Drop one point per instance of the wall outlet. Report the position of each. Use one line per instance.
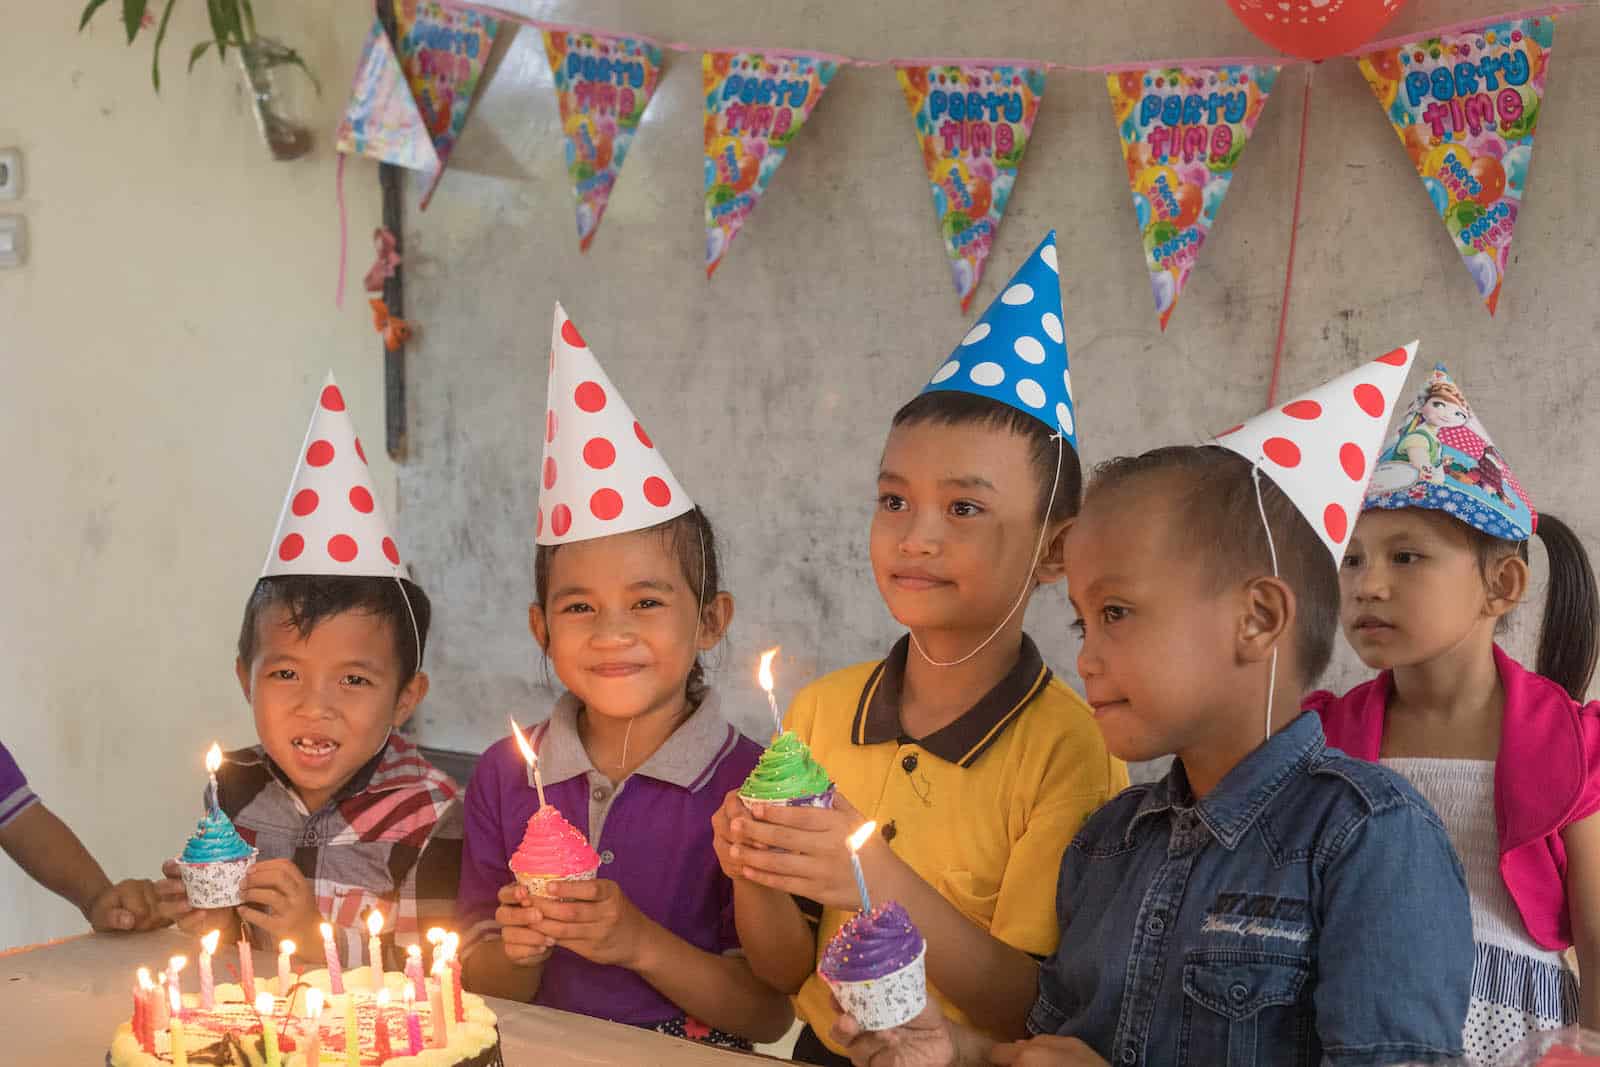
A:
(10, 173)
(13, 240)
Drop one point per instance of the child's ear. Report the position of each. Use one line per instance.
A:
(242, 670)
(1505, 584)
(411, 695)
(1053, 557)
(537, 626)
(714, 621)
(1267, 619)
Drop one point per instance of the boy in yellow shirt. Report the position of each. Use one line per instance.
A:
(977, 764)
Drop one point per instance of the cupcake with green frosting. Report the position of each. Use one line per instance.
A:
(787, 776)
(214, 862)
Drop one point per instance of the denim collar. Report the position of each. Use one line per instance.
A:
(1231, 809)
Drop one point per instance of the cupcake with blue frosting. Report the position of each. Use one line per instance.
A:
(214, 862)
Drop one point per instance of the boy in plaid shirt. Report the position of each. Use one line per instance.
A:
(347, 815)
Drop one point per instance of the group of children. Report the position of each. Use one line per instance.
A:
(1391, 879)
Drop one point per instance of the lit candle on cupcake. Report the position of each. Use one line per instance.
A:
(875, 964)
(786, 775)
(215, 859)
(552, 852)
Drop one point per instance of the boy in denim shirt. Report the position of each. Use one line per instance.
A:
(1266, 902)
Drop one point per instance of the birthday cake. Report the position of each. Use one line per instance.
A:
(230, 1032)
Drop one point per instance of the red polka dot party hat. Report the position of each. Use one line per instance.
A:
(331, 522)
(601, 473)
(1320, 448)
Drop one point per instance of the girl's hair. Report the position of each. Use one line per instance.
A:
(693, 544)
(948, 407)
(1219, 527)
(1568, 638)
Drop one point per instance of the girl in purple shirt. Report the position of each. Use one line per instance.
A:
(636, 754)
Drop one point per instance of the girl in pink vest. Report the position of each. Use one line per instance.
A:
(1509, 758)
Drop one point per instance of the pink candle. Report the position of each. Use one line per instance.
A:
(413, 1024)
(313, 1029)
(331, 951)
(414, 972)
(436, 1004)
(451, 943)
(159, 1016)
(375, 947)
(382, 1031)
(247, 972)
(208, 946)
(141, 1003)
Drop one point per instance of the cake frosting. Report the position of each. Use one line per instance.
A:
(786, 772)
(553, 848)
(872, 944)
(215, 839)
(230, 1032)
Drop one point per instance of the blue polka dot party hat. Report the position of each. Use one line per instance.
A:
(1017, 352)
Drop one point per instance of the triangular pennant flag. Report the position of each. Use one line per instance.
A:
(601, 473)
(1320, 448)
(755, 105)
(381, 120)
(973, 123)
(603, 84)
(331, 521)
(1017, 352)
(1183, 130)
(442, 50)
(1441, 457)
(1465, 105)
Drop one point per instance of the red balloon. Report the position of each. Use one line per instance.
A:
(1491, 179)
(1315, 29)
(1190, 201)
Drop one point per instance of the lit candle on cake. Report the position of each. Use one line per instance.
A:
(208, 947)
(285, 968)
(141, 1010)
(331, 951)
(313, 1027)
(764, 676)
(180, 1049)
(437, 1039)
(352, 1033)
(213, 763)
(269, 1029)
(175, 968)
(375, 947)
(160, 1013)
(452, 941)
(381, 1033)
(247, 968)
(858, 839)
(441, 974)
(413, 1023)
(414, 973)
(436, 940)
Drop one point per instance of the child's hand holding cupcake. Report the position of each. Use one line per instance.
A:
(803, 851)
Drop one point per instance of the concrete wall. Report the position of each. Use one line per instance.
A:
(159, 353)
(769, 388)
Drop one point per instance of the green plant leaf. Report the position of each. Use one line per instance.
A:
(88, 13)
(132, 16)
(155, 55)
(219, 27)
(197, 51)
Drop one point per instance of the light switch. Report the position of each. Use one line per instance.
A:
(13, 240)
(10, 173)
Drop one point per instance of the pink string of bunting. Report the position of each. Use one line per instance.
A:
(1038, 64)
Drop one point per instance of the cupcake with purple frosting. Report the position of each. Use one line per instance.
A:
(875, 967)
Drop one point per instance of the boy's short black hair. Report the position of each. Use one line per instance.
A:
(310, 598)
(947, 407)
(1218, 522)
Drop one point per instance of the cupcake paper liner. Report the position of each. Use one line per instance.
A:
(549, 886)
(216, 884)
(887, 1002)
(818, 800)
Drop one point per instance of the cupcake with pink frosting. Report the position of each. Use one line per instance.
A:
(552, 852)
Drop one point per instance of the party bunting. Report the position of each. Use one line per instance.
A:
(1466, 104)
(1183, 130)
(755, 105)
(381, 120)
(603, 84)
(442, 51)
(973, 123)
